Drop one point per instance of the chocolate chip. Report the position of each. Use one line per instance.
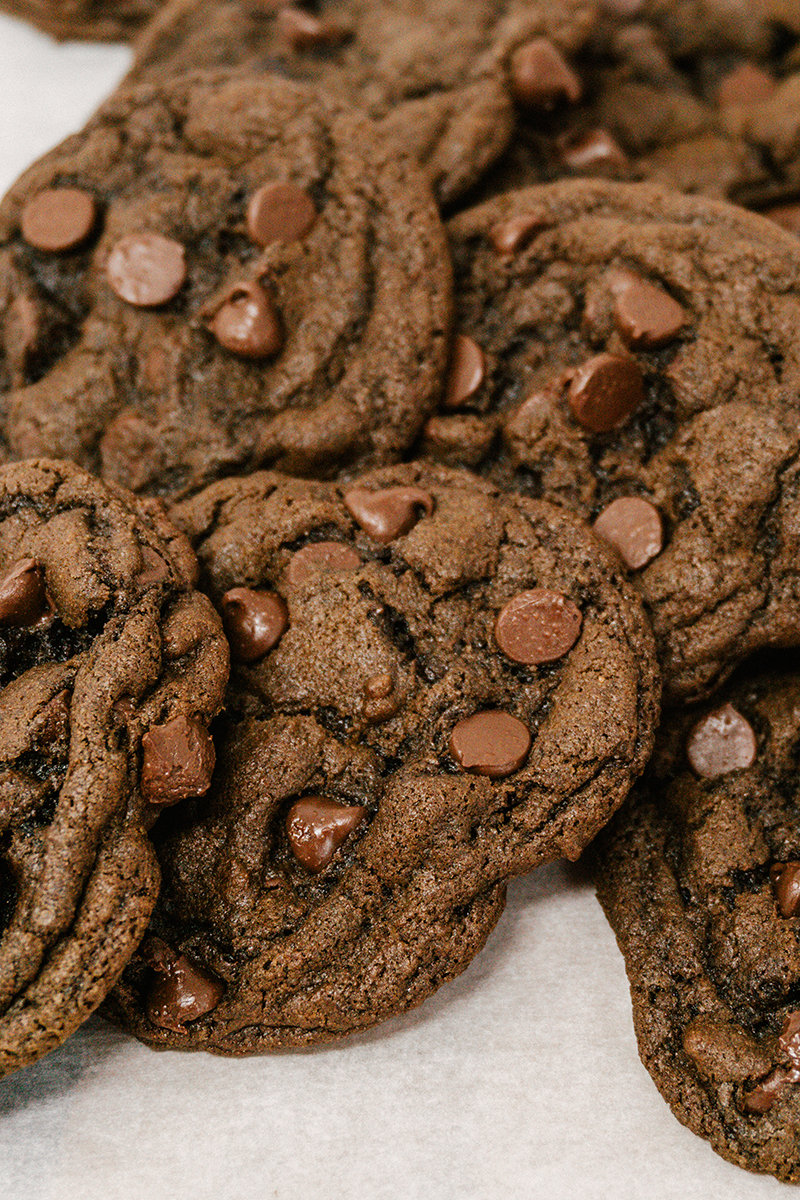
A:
(645, 315)
(379, 686)
(723, 741)
(177, 761)
(316, 828)
(490, 743)
(789, 1040)
(280, 212)
(633, 527)
(246, 323)
(541, 77)
(786, 883)
(594, 152)
(762, 1097)
(254, 622)
(604, 391)
(389, 513)
(537, 626)
(321, 558)
(58, 219)
(466, 373)
(746, 84)
(184, 992)
(380, 701)
(146, 269)
(23, 598)
(508, 237)
(306, 32)
(153, 569)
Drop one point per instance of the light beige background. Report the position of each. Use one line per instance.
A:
(520, 1080)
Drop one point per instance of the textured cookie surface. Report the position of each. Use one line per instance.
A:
(700, 880)
(631, 343)
(95, 20)
(435, 687)
(217, 274)
(111, 668)
(440, 77)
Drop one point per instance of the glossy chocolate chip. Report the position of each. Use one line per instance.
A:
(247, 323)
(23, 598)
(183, 992)
(541, 77)
(280, 212)
(761, 1098)
(389, 513)
(321, 558)
(303, 31)
(58, 219)
(746, 84)
(490, 743)
(146, 269)
(508, 237)
(645, 315)
(633, 527)
(786, 884)
(177, 761)
(594, 152)
(723, 741)
(317, 827)
(789, 1040)
(604, 391)
(254, 622)
(466, 373)
(537, 626)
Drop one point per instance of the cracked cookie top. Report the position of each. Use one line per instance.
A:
(111, 667)
(621, 343)
(217, 274)
(435, 686)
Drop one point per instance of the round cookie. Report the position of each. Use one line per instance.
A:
(93, 20)
(435, 686)
(218, 273)
(698, 876)
(637, 344)
(111, 668)
(441, 78)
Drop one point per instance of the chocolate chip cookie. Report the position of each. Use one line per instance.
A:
(700, 880)
(93, 20)
(434, 686)
(111, 667)
(219, 273)
(442, 78)
(621, 345)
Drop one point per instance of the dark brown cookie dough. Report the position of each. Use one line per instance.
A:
(435, 686)
(215, 274)
(698, 875)
(111, 667)
(639, 344)
(93, 20)
(442, 78)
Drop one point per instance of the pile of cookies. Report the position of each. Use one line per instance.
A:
(401, 477)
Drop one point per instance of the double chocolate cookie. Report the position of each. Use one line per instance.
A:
(219, 273)
(632, 354)
(111, 667)
(443, 78)
(94, 20)
(700, 880)
(435, 686)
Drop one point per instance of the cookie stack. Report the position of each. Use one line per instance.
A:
(353, 562)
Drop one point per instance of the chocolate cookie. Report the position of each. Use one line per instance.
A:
(94, 20)
(111, 668)
(442, 78)
(700, 880)
(215, 274)
(623, 345)
(435, 686)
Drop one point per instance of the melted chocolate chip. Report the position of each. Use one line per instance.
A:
(490, 743)
(541, 77)
(254, 622)
(723, 741)
(303, 31)
(604, 391)
(594, 152)
(58, 219)
(321, 558)
(633, 527)
(146, 269)
(645, 315)
(23, 598)
(467, 371)
(247, 323)
(389, 513)
(280, 212)
(317, 827)
(177, 761)
(153, 569)
(510, 236)
(786, 884)
(762, 1097)
(537, 626)
(184, 991)
(789, 1040)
